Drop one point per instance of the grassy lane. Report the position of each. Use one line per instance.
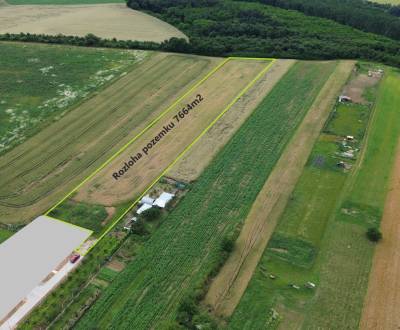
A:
(182, 252)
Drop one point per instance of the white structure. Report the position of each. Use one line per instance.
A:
(163, 200)
(32, 258)
(143, 208)
(147, 200)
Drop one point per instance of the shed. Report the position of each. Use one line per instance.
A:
(163, 200)
(344, 98)
(143, 208)
(147, 200)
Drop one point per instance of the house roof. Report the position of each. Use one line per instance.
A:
(147, 200)
(163, 199)
(143, 208)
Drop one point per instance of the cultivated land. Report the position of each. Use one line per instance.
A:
(321, 235)
(191, 165)
(382, 301)
(181, 253)
(210, 98)
(39, 172)
(227, 288)
(104, 20)
(41, 83)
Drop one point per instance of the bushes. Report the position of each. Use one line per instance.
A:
(374, 234)
(152, 214)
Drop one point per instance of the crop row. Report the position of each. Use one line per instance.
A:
(179, 256)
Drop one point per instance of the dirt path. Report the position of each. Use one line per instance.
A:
(228, 287)
(194, 162)
(381, 307)
(104, 20)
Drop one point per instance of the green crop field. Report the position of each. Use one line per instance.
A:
(181, 253)
(321, 235)
(41, 83)
(40, 171)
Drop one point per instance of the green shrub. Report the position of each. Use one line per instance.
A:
(374, 234)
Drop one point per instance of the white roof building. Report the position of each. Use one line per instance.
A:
(27, 258)
(147, 200)
(163, 200)
(143, 208)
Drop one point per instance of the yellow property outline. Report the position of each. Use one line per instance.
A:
(152, 123)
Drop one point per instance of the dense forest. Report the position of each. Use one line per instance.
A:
(363, 15)
(227, 27)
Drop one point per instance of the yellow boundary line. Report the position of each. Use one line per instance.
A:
(130, 207)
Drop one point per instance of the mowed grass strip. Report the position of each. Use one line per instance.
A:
(43, 169)
(179, 256)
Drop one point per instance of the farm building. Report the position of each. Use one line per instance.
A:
(33, 262)
(147, 200)
(143, 208)
(163, 200)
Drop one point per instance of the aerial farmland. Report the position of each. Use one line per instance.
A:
(205, 165)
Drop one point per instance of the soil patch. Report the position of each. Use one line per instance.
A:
(116, 265)
(357, 86)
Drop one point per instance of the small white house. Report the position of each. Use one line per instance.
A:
(147, 200)
(163, 200)
(143, 208)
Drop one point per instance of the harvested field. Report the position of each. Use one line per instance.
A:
(227, 288)
(104, 20)
(196, 159)
(213, 96)
(40, 171)
(179, 256)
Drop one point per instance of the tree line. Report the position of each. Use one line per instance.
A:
(363, 15)
(245, 28)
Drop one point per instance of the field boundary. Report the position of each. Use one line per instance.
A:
(151, 124)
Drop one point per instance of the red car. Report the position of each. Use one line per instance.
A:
(74, 258)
